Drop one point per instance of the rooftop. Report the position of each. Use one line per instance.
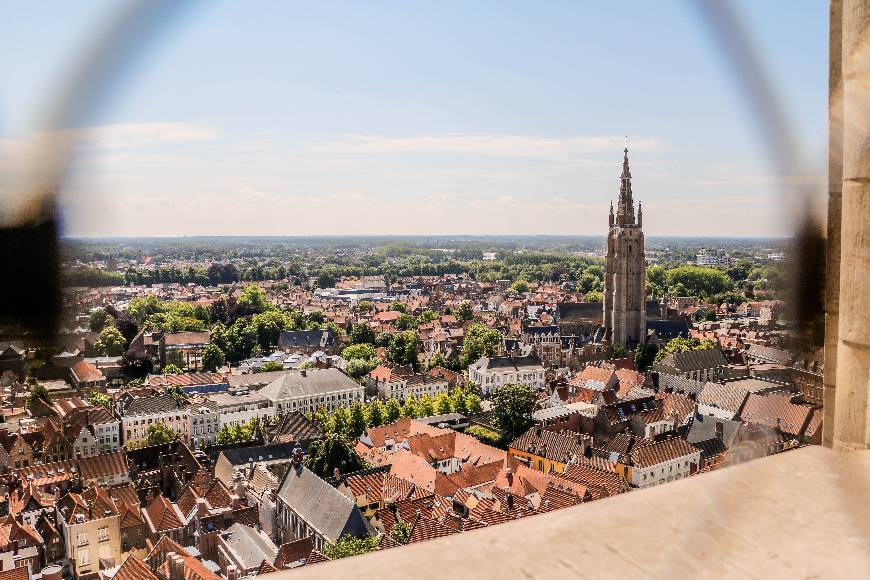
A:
(716, 521)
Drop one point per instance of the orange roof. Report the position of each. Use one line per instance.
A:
(162, 515)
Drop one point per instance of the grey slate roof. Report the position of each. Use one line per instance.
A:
(289, 340)
(771, 354)
(323, 507)
(704, 428)
(668, 329)
(254, 380)
(163, 403)
(680, 384)
(309, 383)
(509, 363)
(695, 360)
(249, 545)
(728, 396)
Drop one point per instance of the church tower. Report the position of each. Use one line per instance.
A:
(625, 269)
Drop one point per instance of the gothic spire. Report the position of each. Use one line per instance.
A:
(625, 207)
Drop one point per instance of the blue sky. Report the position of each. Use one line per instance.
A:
(292, 118)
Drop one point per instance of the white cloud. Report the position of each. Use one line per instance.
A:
(562, 149)
(122, 136)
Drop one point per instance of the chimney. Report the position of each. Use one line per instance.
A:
(235, 501)
(336, 473)
(232, 572)
(510, 501)
(720, 431)
(297, 456)
(175, 563)
(304, 372)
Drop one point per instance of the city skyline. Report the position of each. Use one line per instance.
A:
(489, 121)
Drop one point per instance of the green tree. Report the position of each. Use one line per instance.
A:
(38, 392)
(362, 333)
(347, 546)
(136, 366)
(269, 325)
(98, 399)
(683, 345)
(158, 434)
(464, 311)
(358, 419)
(410, 408)
(443, 404)
(426, 406)
(480, 340)
(645, 355)
(473, 404)
(458, 402)
(98, 319)
(225, 435)
(172, 369)
(401, 532)
(427, 316)
(111, 342)
(436, 361)
(341, 422)
(270, 366)
(360, 367)
(212, 358)
(376, 413)
(361, 351)
(521, 286)
(365, 306)
(398, 307)
(393, 411)
(331, 452)
(594, 296)
(406, 322)
(698, 281)
(512, 408)
(253, 298)
(484, 435)
(618, 351)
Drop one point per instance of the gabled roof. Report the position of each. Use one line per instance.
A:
(660, 452)
(252, 547)
(85, 372)
(561, 447)
(776, 411)
(321, 338)
(193, 568)
(322, 506)
(695, 360)
(103, 465)
(307, 383)
(134, 569)
(162, 515)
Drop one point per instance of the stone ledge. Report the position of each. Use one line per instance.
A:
(799, 514)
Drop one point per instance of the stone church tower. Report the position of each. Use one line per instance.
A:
(625, 269)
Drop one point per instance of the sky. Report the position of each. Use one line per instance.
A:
(489, 117)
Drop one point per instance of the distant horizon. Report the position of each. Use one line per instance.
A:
(407, 236)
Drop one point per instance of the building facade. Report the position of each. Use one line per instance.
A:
(625, 269)
(492, 372)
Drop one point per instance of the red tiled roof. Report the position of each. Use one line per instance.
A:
(85, 372)
(162, 515)
(134, 569)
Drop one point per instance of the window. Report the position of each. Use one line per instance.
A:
(81, 539)
(84, 558)
(104, 534)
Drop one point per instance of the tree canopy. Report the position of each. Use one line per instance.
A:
(158, 434)
(512, 408)
(480, 340)
(333, 451)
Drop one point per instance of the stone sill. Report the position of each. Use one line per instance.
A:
(800, 514)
